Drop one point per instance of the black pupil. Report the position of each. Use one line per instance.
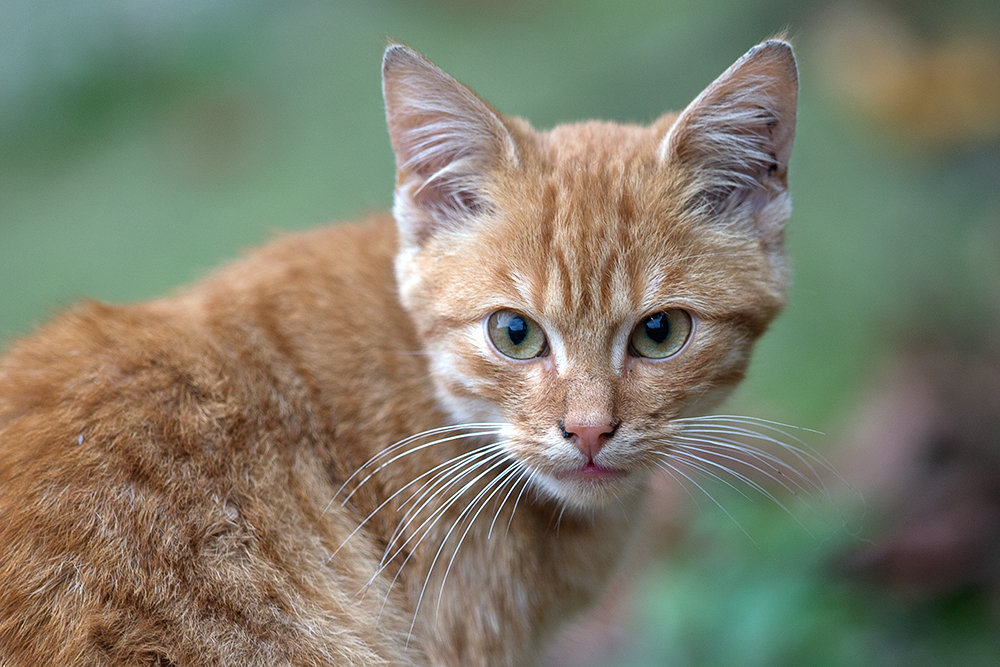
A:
(517, 330)
(658, 328)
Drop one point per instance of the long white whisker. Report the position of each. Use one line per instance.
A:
(447, 478)
(745, 419)
(500, 481)
(447, 535)
(424, 529)
(527, 483)
(756, 458)
(746, 480)
(418, 448)
(724, 422)
(709, 495)
(775, 463)
(524, 472)
(477, 451)
(803, 453)
(743, 478)
(446, 468)
(464, 469)
(670, 471)
(466, 464)
(405, 441)
(693, 461)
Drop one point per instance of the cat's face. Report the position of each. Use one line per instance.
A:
(586, 286)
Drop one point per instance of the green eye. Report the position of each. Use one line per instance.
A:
(662, 334)
(515, 335)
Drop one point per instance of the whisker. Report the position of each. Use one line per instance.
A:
(446, 468)
(745, 429)
(500, 482)
(424, 532)
(414, 512)
(723, 423)
(746, 419)
(418, 448)
(670, 471)
(467, 461)
(525, 471)
(693, 461)
(709, 495)
(527, 483)
(738, 475)
(473, 453)
(420, 497)
(424, 529)
(444, 541)
(775, 465)
(416, 436)
(803, 453)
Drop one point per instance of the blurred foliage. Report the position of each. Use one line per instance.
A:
(141, 143)
(780, 601)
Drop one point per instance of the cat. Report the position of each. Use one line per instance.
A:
(417, 440)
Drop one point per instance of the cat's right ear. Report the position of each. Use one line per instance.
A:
(446, 141)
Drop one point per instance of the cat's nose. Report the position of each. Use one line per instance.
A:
(588, 438)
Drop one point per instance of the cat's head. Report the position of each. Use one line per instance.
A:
(588, 285)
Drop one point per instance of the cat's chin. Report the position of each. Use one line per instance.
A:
(590, 486)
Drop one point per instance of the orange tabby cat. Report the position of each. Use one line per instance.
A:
(406, 443)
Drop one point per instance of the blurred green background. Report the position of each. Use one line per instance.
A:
(143, 142)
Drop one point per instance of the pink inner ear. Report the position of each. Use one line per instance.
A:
(736, 136)
(445, 138)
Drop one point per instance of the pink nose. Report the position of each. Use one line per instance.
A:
(588, 438)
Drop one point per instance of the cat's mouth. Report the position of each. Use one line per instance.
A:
(589, 485)
(592, 472)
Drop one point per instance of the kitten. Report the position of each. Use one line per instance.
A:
(413, 442)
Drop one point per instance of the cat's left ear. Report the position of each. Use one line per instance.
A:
(733, 141)
(446, 141)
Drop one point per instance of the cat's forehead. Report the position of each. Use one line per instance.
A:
(593, 232)
(599, 143)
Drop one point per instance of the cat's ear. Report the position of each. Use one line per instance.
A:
(446, 141)
(733, 141)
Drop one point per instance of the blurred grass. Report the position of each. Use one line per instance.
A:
(775, 602)
(166, 151)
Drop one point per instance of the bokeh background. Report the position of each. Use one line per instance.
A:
(143, 142)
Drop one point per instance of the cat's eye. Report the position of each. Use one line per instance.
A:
(662, 334)
(515, 335)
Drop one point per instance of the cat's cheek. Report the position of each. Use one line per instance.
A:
(474, 385)
(694, 381)
(651, 399)
(460, 387)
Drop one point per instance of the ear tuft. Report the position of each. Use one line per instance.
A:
(735, 138)
(446, 141)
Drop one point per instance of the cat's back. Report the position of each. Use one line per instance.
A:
(198, 355)
(164, 467)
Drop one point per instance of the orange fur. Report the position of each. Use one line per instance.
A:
(197, 480)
